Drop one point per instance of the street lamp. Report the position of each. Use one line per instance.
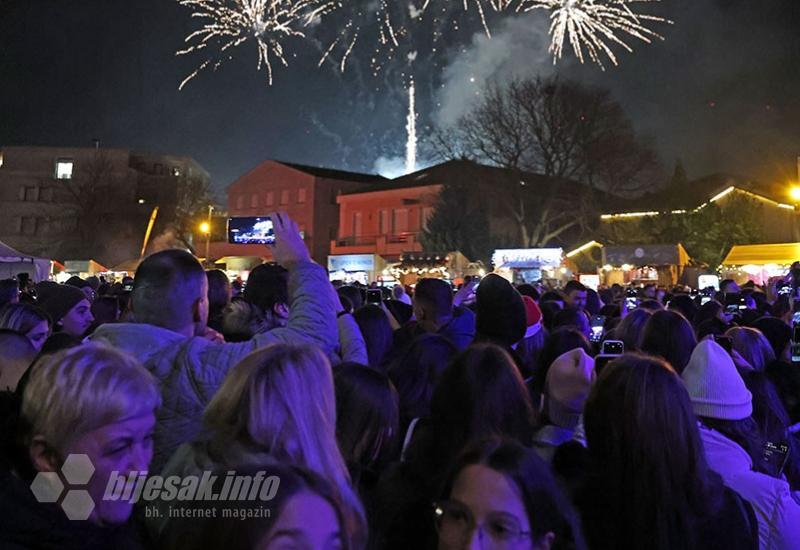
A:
(205, 228)
(794, 193)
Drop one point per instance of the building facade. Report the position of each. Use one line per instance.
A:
(74, 203)
(308, 194)
(387, 221)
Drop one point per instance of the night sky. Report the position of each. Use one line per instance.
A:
(722, 92)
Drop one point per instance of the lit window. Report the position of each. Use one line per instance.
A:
(141, 201)
(176, 171)
(1, 159)
(64, 169)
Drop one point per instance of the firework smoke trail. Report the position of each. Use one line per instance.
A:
(411, 129)
(230, 23)
(592, 24)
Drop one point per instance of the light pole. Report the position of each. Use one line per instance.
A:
(794, 193)
(205, 228)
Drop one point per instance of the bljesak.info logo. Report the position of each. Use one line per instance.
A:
(68, 487)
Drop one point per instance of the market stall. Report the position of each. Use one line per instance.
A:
(238, 266)
(530, 265)
(452, 266)
(81, 268)
(661, 264)
(759, 262)
(356, 268)
(14, 262)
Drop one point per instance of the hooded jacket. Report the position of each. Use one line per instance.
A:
(190, 370)
(777, 512)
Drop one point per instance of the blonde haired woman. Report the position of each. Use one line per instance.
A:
(89, 410)
(276, 406)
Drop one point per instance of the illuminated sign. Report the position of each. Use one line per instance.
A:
(527, 257)
(352, 262)
(592, 281)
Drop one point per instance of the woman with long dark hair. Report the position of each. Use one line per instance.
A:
(501, 491)
(480, 395)
(377, 332)
(669, 335)
(649, 486)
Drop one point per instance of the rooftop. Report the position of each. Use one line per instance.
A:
(330, 173)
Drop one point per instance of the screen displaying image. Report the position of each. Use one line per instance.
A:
(251, 230)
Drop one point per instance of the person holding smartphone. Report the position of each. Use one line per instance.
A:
(171, 338)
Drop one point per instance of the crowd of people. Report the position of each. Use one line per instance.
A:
(486, 416)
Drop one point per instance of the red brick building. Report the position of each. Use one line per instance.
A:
(306, 193)
(386, 221)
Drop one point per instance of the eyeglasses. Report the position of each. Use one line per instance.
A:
(455, 523)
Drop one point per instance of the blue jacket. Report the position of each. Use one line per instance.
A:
(190, 370)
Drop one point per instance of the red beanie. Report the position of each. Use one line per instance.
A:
(533, 316)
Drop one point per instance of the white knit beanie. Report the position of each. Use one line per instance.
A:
(567, 386)
(715, 387)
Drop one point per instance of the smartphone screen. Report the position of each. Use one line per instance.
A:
(374, 296)
(612, 347)
(776, 455)
(598, 322)
(251, 230)
(704, 300)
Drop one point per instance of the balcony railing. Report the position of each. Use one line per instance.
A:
(365, 240)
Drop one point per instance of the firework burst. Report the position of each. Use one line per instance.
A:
(594, 25)
(227, 24)
(481, 5)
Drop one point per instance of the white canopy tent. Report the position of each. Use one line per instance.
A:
(13, 262)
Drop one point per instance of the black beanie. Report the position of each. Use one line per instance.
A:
(57, 300)
(267, 285)
(500, 314)
(77, 282)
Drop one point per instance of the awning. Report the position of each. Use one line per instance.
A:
(240, 263)
(645, 254)
(84, 266)
(763, 254)
(128, 266)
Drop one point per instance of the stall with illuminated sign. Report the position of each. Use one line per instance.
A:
(81, 268)
(239, 267)
(452, 266)
(759, 262)
(530, 265)
(356, 268)
(661, 264)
